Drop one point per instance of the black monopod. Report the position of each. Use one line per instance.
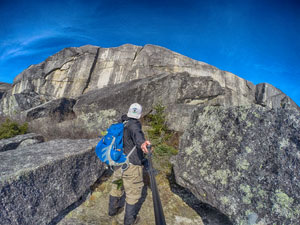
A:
(158, 210)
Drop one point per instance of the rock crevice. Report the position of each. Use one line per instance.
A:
(91, 71)
(20, 141)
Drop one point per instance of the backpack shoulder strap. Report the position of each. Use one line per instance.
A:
(126, 122)
(131, 151)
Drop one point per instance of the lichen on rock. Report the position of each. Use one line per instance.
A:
(246, 159)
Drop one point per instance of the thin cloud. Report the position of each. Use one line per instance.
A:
(40, 43)
(18, 47)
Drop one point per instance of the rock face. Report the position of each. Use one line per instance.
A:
(14, 104)
(64, 74)
(20, 141)
(244, 161)
(74, 71)
(3, 88)
(37, 182)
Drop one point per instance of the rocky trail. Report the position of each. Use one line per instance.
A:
(180, 207)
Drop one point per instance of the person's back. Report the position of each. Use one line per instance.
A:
(132, 177)
(133, 136)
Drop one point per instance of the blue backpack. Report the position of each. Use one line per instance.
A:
(110, 147)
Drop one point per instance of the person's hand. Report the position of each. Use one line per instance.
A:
(144, 146)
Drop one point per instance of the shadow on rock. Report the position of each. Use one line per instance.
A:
(209, 214)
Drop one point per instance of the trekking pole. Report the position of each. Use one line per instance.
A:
(158, 210)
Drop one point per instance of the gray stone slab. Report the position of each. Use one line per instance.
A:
(38, 182)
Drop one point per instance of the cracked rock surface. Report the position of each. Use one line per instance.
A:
(20, 141)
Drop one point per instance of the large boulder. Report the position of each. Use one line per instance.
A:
(38, 182)
(58, 110)
(99, 108)
(244, 161)
(20, 141)
(180, 93)
(270, 96)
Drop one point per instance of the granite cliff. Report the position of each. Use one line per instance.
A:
(240, 147)
(88, 70)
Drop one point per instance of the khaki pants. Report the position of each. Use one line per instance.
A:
(132, 183)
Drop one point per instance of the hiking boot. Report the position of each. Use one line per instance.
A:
(130, 214)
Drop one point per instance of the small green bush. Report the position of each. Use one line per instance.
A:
(11, 128)
(165, 150)
(157, 121)
(162, 139)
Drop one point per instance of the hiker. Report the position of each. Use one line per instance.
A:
(132, 177)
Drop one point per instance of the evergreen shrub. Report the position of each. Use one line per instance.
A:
(11, 128)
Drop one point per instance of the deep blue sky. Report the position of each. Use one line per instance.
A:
(258, 40)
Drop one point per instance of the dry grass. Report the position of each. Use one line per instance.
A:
(71, 129)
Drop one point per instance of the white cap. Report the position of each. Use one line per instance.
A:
(135, 111)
